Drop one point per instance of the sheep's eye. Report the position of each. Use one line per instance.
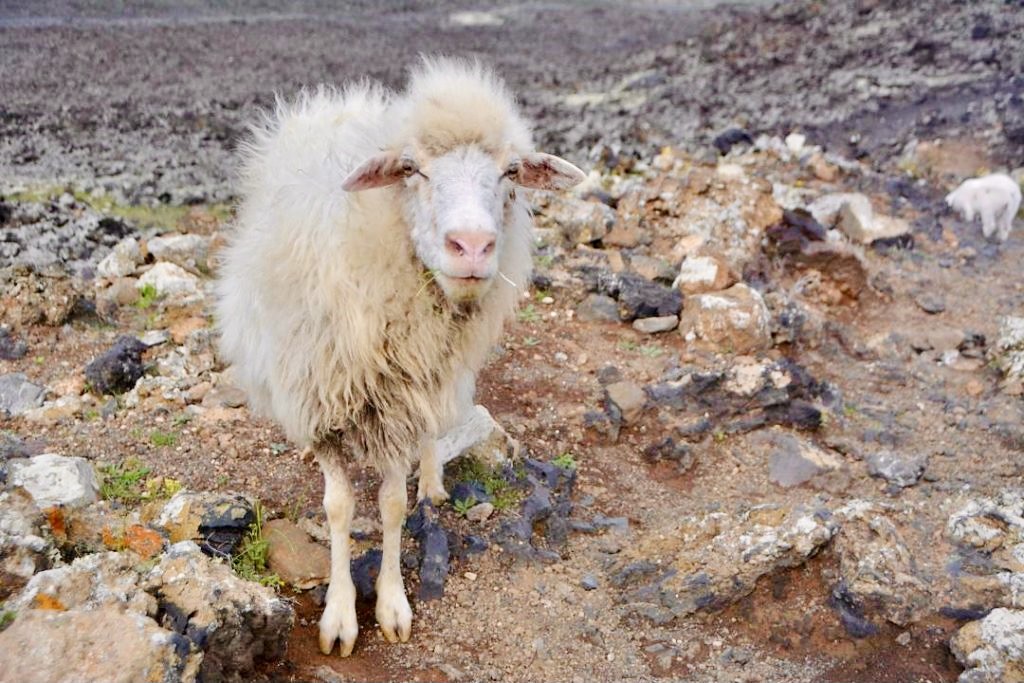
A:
(409, 167)
(512, 172)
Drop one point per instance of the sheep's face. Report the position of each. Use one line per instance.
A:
(457, 203)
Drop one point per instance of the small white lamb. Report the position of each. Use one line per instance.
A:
(379, 247)
(995, 197)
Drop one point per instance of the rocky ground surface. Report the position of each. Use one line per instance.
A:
(759, 416)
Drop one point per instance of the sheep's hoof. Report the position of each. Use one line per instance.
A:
(394, 615)
(435, 492)
(338, 622)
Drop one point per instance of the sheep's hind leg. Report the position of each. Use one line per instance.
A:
(393, 612)
(431, 479)
(338, 621)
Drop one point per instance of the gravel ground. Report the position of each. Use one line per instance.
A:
(148, 102)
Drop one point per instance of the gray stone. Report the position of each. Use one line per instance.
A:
(663, 323)
(480, 513)
(629, 398)
(899, 469)
(53, 479)
(598, 308)
(1009, 347)
(991, 650)
(580, 221)
(106, 645)
(188, 251)
(172, 283)
(122, 260)
(25, 545)
(589, 582)
(18, 394)
(794, 461)
(930, 302)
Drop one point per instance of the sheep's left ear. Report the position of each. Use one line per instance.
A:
(379, 171)
(548, 172)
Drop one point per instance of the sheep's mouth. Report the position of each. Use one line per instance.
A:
(469, 281)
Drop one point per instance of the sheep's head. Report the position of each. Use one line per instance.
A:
(458, 204)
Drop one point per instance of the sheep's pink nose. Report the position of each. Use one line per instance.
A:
(473, 246)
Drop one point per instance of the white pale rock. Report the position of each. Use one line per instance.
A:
(661, 323)
(699, 274)
(53, 479)
(184, 250)
(122, 260)
(795, 142)
(18, 395)
(171, 281)
(479, 436)
(825, 209)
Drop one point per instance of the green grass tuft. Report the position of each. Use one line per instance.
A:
(250, 562)
(505, 495)
(7, 618)
(124, 482)
(147, 297)
(565, 461)
(158, 438)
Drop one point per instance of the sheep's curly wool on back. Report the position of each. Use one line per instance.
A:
(327, 315)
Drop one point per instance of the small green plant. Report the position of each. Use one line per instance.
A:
(540, 295)
(850, 410)
(545, 260)
(530, 341)
(278, 448)
(147, 296)
(528, 314)
(124, 482)
(181, 420)
(250, 562)
(160, 439)
(565, 461)
(628, 345)
(7, 618)
(91, 415)
(464, 505)
(718, 435)
(651, 351)
(503, 493)
(39, 360)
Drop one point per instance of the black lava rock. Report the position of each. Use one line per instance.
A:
(730, 138)
(223, 525)
(365, 570)
(640, 298)
(11, 348)
(119, 368)
(850, 614)
(792, 234)
(435, 553)
(467, 490)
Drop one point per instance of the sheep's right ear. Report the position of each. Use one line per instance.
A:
(379, 171)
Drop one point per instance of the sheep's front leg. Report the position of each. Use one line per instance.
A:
(338, 621)
(393, 612)
(431, 480)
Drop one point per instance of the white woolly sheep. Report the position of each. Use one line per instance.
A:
(995, 197)
(379, 247)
